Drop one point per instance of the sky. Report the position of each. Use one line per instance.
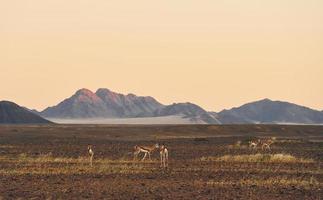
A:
(215, 53)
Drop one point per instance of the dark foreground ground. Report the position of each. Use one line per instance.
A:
(50, 162)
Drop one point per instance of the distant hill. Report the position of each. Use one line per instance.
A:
(11, 113)
(102, 104)
(193, 112)
(268, 111)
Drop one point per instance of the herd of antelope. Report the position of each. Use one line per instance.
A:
(147, 150)
(263, 143)
(163, 151)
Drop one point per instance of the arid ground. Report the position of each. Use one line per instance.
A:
(206, 162)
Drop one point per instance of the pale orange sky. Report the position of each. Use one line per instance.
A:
(215, 53)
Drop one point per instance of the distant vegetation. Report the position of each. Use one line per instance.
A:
(273, 158)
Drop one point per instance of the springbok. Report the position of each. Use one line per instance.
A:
(253, 144)
(91, 154)
(265, 144)
(144, 149)
(163, 156)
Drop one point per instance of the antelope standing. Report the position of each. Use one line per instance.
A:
(265, 144)
(91, 154)
(253, 144)
(144, 149)
(163, 156)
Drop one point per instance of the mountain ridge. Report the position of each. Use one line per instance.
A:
(104, 103)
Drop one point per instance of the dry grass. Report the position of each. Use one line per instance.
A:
(7, 146)
(49, 158)
(258, 170)
(270, 182)
(76, 170)
(49, 165)
(289, 141)
(238, 145)
(272, 158)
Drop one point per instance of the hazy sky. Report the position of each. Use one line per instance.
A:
(215, 53)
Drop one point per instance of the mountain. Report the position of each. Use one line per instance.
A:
(267, 111)
(128, 105)
(32, 110)
(83, 104)
(11, 113)
(102, 104)
(193, 112)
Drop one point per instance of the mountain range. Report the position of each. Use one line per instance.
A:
(85, 104)
(106, 104)
(103, 104)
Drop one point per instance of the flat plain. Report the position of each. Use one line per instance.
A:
(206, 162)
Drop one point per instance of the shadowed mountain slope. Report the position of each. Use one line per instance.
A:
(11, 113)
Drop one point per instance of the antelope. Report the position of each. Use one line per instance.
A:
(266, 144)
(163, 156)
(91, 154)
(253, 144)
(144, 149)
